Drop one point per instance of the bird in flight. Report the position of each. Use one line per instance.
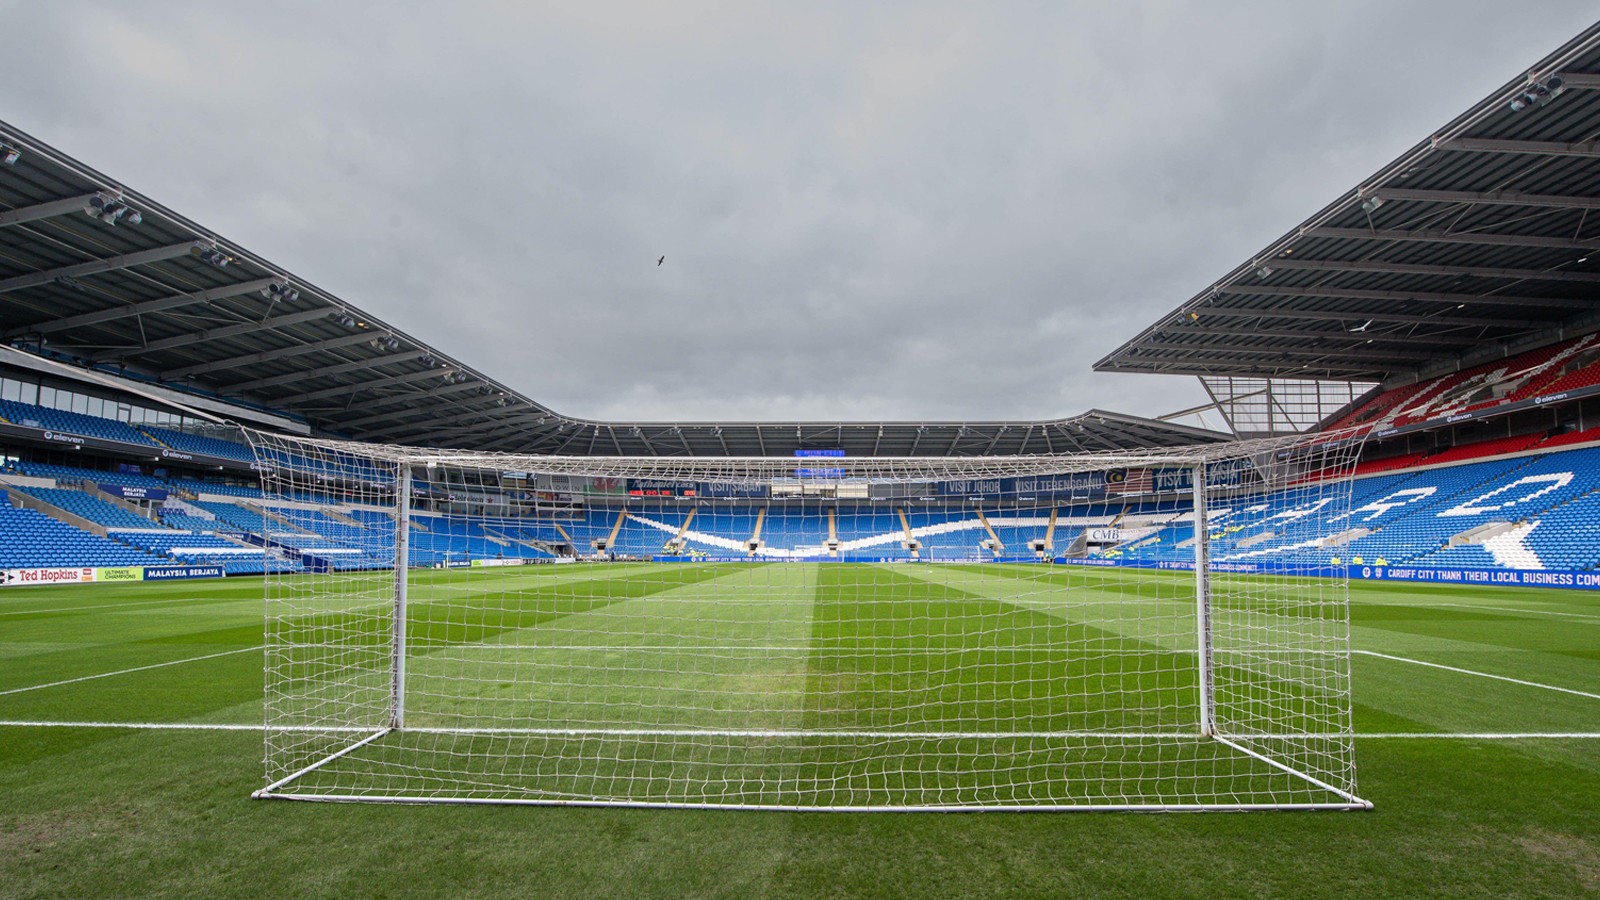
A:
(661, 260)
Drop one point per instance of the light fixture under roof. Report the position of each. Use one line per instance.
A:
(109, 207)
(280, 289)
(9, 154)
(209, 253)
(1539, 93)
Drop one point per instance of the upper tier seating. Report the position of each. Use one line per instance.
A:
(1549, 370)
(193, 443)
(71, 422)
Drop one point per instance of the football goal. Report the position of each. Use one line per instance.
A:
(1143, 630)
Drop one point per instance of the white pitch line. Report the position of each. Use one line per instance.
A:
(1418, 662)
(1487, 735)
(578, 732)
(1531, 612)
(52, 609)
(38, 687)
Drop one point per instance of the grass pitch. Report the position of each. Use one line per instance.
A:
(1482, 787)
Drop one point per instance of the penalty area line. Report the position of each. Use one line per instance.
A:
(38, 687)
(1418, 662)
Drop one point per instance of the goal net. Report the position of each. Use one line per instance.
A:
(1157, 630)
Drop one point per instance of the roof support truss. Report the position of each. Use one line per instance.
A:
(1498, 198)
(1392, 268)
(1395, 318)
(251, 359)
(138, 309)
(95, 266)
(1256, 290)
(1463, 237)
(322, 371)
(47, 210)
(217, 334)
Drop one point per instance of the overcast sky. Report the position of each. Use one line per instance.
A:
(912, 212)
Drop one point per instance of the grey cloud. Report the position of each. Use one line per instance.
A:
(918, 211)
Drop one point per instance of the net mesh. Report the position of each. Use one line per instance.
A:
(946, 633)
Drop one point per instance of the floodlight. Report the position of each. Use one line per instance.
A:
(280, 290)
(209, 253)
(1371, 204)
(108, 207)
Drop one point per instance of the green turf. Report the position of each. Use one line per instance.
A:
(111, 812)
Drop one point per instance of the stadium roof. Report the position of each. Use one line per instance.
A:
(1474, 241)
(164, 301)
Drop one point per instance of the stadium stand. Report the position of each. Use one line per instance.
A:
(71, 423)
(92, 508)
(193, 443)
(1566, 366)
(30, 539)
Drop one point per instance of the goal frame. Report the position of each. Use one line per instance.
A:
(406, 459)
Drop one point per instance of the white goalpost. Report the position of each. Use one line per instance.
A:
(1143, 630)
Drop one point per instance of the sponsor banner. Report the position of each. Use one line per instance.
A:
(1496, 577)
(1105, 535)
(170, 573)
(132, 492)
(134, 573)
(491, 563)
(167, 453)
(60, 437)
(1079, 485)
(827, 453)
(737, 489)
(851, 558)
(660, 487)
(455, 564)
(23, 577)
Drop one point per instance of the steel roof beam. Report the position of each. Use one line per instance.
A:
(1355, 336)
(442, 390)
(1580, 80)
(218, 334)
(1256, 290)
(1537, 148)
(1496, 198)
(1396, 318)
(323, 371)
(46, 210)
(95, 266)
(1391, 268)
(427, 426)
(1270, 352)
(342, 390)
(1443, 237)
(420, 431)
(251, 359)
(138, 309)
